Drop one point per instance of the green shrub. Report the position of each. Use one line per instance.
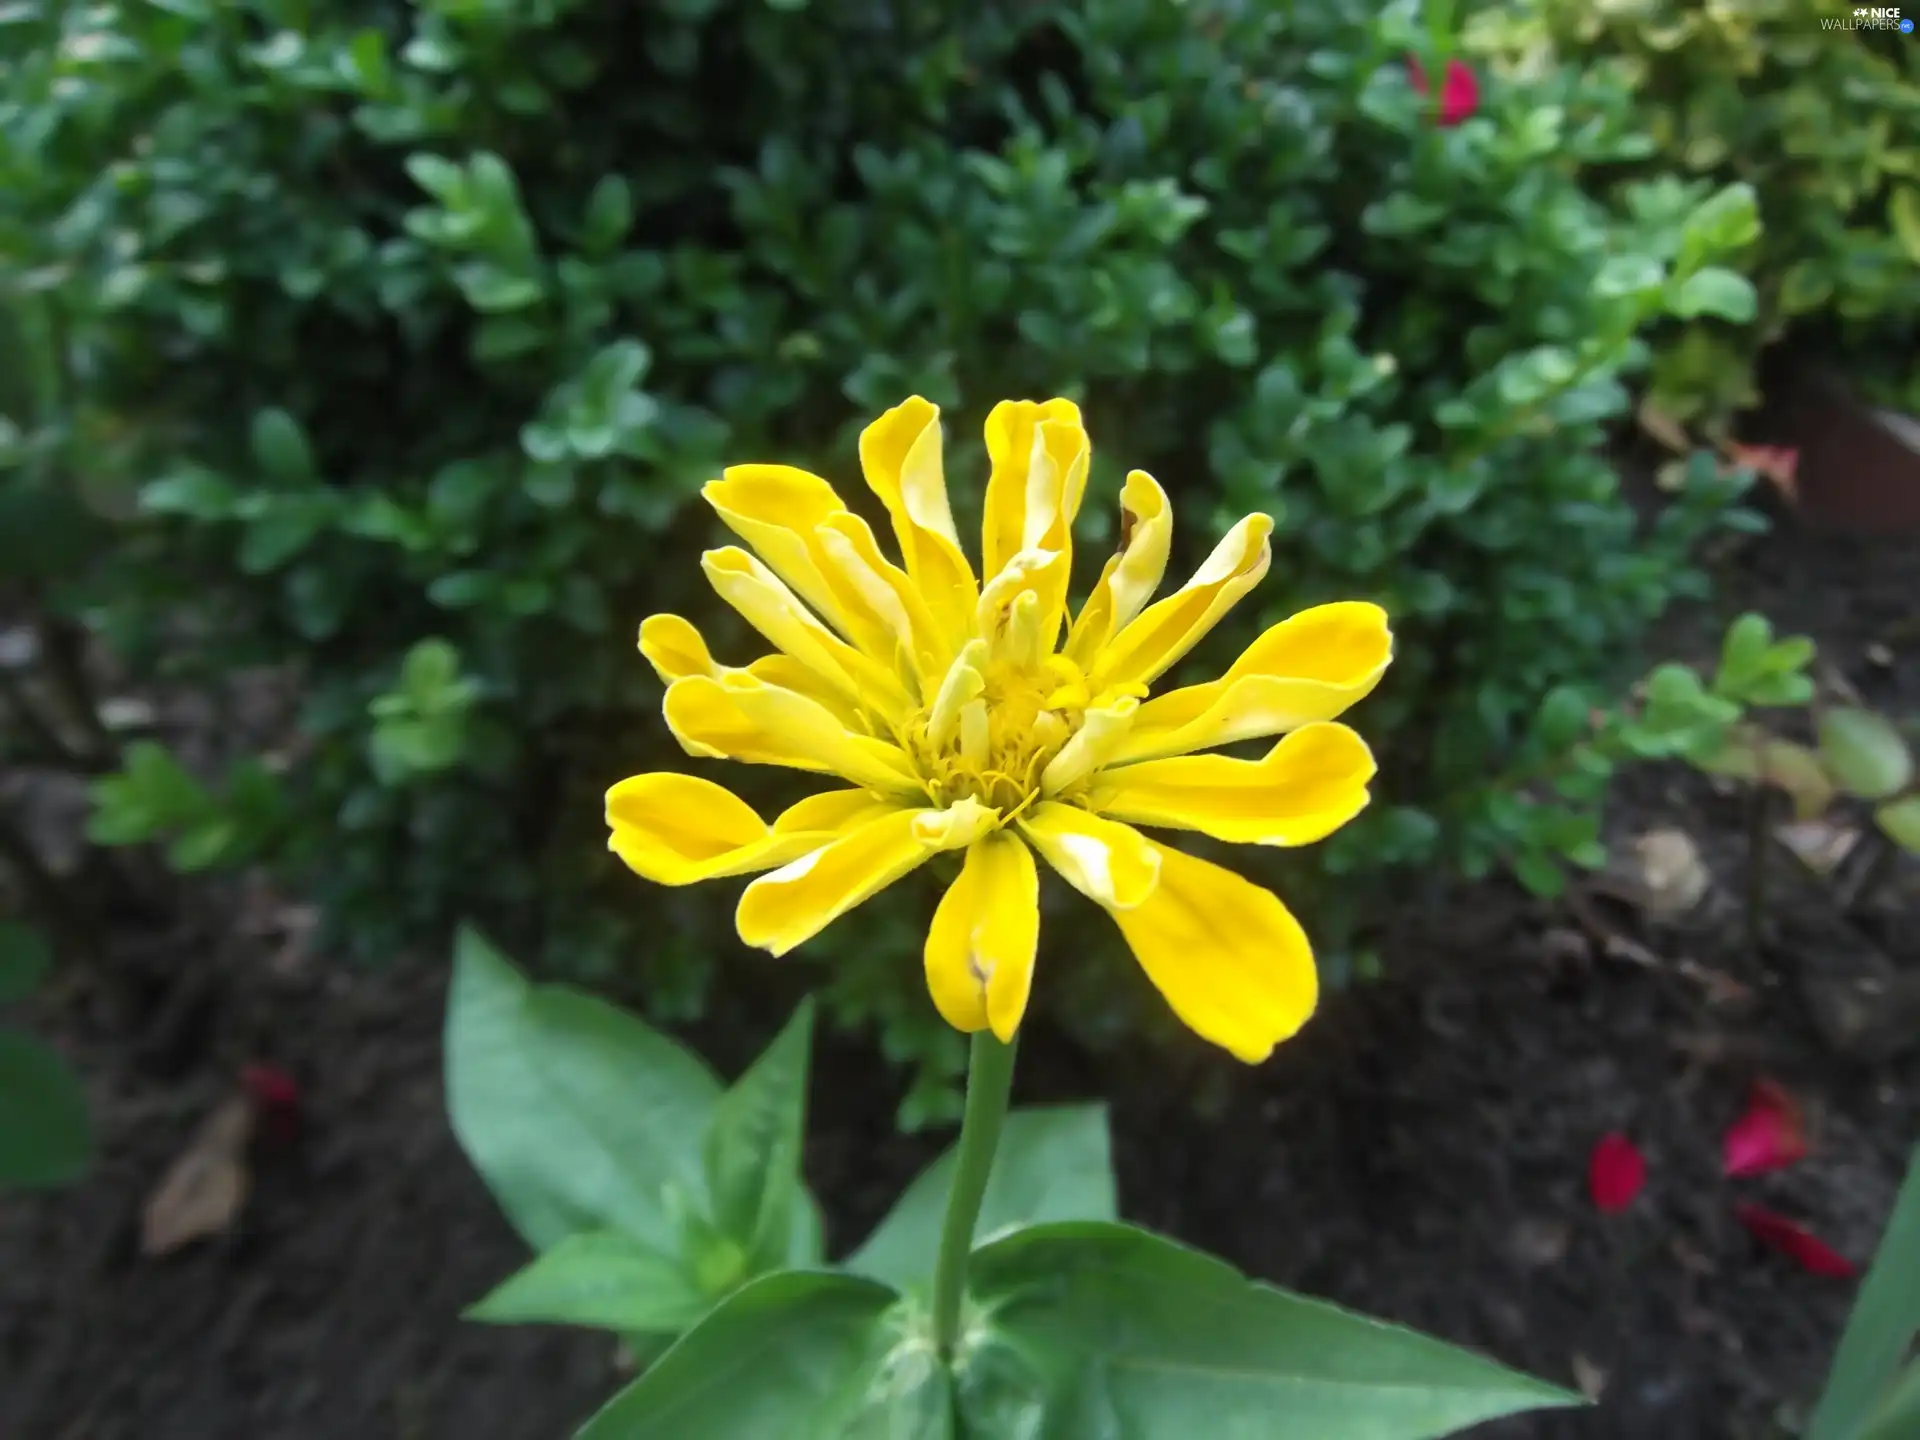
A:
(420, 326)
(1823, 122)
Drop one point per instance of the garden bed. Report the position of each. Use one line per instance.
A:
(1420, 1153)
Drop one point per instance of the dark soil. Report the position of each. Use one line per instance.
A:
(1419, 1153)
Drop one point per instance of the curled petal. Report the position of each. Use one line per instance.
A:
(1309, 667)
(675, 648)
(900, 456)
(1027, 490)
(799, 900)
(775, 508)
(1769, 1136)
(1133, 574)
(740, 717)
(1111, 864)
(677, 829)
(1167, 630)
(1309, 785)
(1228, 956)
(980, 947)
(777, 613)
(1099, 735)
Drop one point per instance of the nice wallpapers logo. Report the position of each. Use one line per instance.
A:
(1872, 17)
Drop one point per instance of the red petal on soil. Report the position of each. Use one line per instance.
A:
(1778, 463)
(1616, 1171)
(276, 1099)
(1459, 91)
(1769, 1136)
(1795, 1241)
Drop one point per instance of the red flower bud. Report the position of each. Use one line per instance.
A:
(1459, 89)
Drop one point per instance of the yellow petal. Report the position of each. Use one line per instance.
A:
(1309, 667)
(777, 613)
(1016, 449)
(1229, 957)
(1099, 735)
(741, 717)
(1133, 574)
(879, 597)
(1110, 863)
(674, 648)
(1163, 632)
(980, 947)
(831, 811)
(1306, 787)
(900, 456)
(676, 829)
(799, 900)
(775, 508)
(789, 674)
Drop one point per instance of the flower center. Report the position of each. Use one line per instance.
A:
(993, 729)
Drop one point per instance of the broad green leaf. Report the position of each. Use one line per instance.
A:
(578, 1116)
(280, 447)
(1897, 1417)
(753, 1147)
(1106, 1332)
(1865, 754)
(1725, 221)
(1743, 654)
(599, 1278)
(1716, 291)
(45, 1136)
(1054, 1163)
(796, 1353)
(1881, 1329)
(1901, 820)
(25, 958)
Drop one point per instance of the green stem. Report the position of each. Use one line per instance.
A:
(989, 1082)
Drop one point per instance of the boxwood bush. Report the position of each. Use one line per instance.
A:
(1820, 119)
(411, 330)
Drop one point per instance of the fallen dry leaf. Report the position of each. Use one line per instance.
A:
(1591, 1379)
(206, 1185)
(1821, 845)
(1662, 426)
(1673, 878)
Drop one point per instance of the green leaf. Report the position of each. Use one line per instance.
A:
(1726, 221)
(1104, 1330)
(1864, 753)
(798, 1353)
(1903, 211)
(598, 1278)
(1898, 1416)
(577, 1115)
(1743, 654)
(1719, 292)
(1900, 819)
(753, 1147)
(280, 447)
(1540, 873)
(25, 958)
(1624, 275)
(1054, 1163)
(1564, 717)
(45, 1136)
(1882, 1326)
(609, 215)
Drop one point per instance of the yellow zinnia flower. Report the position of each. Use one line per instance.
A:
(963, 719)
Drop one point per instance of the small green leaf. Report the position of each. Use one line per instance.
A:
(753, 1147)
(1743, 654)
(45, 1136)
(25, 958)
(609, 215)
(1082, 1324)
(1865, 754)
(1564, 717)
(1725, 221)
(1901, 821)
(1054, 1163)
(577, 1115)
(1882, 1326)
(280, 447)
(1540, 873)
(598, 1278)
(797, 1353)
(1624, 275)
(1903, 211)
(1719, 292)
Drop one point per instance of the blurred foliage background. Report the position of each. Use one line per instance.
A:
(382, 348)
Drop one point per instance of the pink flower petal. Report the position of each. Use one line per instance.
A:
(1769, 1136)
(1795, 1241)
(1459, 89)
(1616, 1173)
